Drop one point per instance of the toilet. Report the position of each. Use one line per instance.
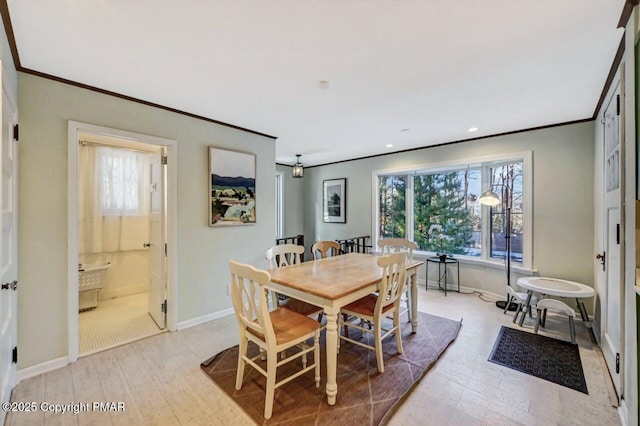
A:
(91, 277)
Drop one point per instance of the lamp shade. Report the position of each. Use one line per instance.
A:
(489, 198)
(298, 168)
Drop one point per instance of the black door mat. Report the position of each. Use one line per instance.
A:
(550, 359)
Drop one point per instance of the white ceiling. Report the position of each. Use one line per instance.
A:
(436, 67)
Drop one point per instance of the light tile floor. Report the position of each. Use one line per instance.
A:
(160, 381)
(115, 322)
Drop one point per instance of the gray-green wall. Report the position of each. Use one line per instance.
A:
(45, 107)
(563, 175)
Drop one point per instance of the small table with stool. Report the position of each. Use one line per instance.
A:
(446, 261)
(560, 288)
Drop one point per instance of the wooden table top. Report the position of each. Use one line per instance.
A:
(333, 277)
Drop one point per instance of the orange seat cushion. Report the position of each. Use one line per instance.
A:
(288, 326)
(365, 306)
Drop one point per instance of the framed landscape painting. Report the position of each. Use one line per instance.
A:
(232, 187)
(334, 200)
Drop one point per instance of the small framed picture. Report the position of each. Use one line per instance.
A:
(232, 187)
(334, 200)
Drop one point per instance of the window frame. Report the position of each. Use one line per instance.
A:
(279, 189)
(485, 163)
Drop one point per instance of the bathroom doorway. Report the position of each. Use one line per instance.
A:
(122, 236)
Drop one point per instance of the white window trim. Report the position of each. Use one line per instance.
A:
(279, 204)
(527, 189)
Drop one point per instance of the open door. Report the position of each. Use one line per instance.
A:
(8, 253)
(157, 250)
(613, 309)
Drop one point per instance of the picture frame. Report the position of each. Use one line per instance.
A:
(232, 187)
(334, 200)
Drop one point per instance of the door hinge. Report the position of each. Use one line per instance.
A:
(16, 132)
(617, 363)
(164, 159)
(617, 104)
(165, 249)
(10, 286)
(163, 307)
(618, 233)
(14, 355)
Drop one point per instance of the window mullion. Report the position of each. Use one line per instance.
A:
(485, 214)
(409, 208)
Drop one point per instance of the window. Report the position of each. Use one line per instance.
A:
(439, 208)
(392, 206)
(123, 177)
(279, 205)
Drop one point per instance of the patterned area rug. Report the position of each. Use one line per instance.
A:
(550, 359)
(365, 397)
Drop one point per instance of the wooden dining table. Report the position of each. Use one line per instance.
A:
(335, 282)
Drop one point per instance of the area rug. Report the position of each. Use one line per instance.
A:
(550, 359)
(365, 397)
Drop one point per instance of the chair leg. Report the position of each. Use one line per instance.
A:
(506, 308)
(572, 330)
(242, 350)
(345, 317)
(316, 355)
(535, 330)
(320, 316)
(515, 317)
(408, 293)
(396, 324)
(379, 355)
(272, 360)
(544, 318)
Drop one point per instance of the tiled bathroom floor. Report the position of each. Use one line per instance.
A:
(115, 322)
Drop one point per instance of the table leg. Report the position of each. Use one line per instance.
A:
(414, 301)
(332, 353)
(527, 306)
(426, 278)
(585, 320)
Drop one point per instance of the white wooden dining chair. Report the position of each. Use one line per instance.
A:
(325, 249)
(394, 245)
(285, 255)
(374, 309)
(272, 331)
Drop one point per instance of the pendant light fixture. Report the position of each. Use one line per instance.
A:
(298, 168)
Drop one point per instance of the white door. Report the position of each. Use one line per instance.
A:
(8, 253)
(157, 259)
(612, 313)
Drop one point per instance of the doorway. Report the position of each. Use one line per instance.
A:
(612, 255)
(123, 223)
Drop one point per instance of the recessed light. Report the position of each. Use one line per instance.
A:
(389, 145)
(472, 129)
(324, 84)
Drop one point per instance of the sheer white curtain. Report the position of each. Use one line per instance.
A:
(114, 199)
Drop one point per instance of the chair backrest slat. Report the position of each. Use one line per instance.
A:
(324, 248)
(394, 274)
(284, 255)
(395, 245)
(250, 300)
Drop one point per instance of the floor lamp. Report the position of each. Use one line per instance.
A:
(490, 198)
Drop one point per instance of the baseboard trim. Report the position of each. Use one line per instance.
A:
(204, 318)
(623, 413)
(433, 285)
(45, 367)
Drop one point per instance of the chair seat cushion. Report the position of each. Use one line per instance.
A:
(300, 307)
(288, 326)
(364, 306)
